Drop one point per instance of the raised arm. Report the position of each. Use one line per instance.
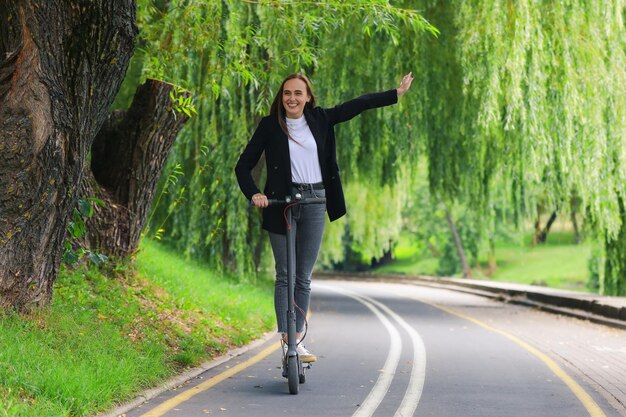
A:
(349, 109)
(352, 108)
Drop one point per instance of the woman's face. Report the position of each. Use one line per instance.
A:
(295, 97)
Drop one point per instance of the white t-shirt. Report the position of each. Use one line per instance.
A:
(305, 164)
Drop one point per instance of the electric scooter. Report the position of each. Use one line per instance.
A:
(293, 368)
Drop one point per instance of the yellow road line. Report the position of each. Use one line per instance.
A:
(186, 395)
(590, 405)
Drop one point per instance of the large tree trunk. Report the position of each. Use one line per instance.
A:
(61, 65)
(127, 159)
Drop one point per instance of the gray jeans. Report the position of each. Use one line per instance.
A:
(308, 225)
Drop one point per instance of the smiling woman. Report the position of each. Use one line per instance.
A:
(298, 141)
(233, 56)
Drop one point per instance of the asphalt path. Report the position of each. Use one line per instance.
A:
(402, 350)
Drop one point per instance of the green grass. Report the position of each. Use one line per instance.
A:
(559, 263)
(108, 336)
(555, 265)
(237, 310)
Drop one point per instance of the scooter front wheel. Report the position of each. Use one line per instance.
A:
(292, 374)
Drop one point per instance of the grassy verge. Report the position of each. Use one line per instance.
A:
(107, 336)
(559, 263)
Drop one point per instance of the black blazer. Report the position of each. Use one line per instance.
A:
(271, 139)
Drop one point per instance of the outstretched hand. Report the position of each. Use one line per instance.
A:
(405, 84)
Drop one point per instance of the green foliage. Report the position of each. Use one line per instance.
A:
(527, 101)
(172, 179)
(514, 104)
(76, 229)
(613, 280)
(595, 266)
(182, 102)
(232, 55)
(449, 262)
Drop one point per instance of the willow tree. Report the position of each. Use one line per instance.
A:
(515, 102)
(539, 110)
(233, 55)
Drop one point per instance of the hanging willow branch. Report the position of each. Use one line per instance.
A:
(233, 56)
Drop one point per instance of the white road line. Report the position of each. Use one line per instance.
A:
(381, 387)
(418, 372)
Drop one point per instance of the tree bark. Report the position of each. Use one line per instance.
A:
(467, 272)
(541, 235)
(61, 65)
(537, 230)
(127, 160)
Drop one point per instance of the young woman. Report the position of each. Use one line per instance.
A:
(298, 140)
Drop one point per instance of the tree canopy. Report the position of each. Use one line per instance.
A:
(514, 103)
(233, 56)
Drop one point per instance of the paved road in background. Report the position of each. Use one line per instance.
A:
(404, 350)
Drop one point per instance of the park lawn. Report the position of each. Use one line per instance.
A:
(559, 263)
(108, 336)
(561, 266)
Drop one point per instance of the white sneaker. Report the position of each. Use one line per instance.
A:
(304, 354)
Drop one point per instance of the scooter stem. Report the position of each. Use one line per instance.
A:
(291, 270)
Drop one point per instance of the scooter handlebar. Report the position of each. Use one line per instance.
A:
(294, 200)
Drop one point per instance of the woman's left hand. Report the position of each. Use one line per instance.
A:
(405, 84)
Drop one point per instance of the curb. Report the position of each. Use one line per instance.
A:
(610, 311)
(180, 379)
